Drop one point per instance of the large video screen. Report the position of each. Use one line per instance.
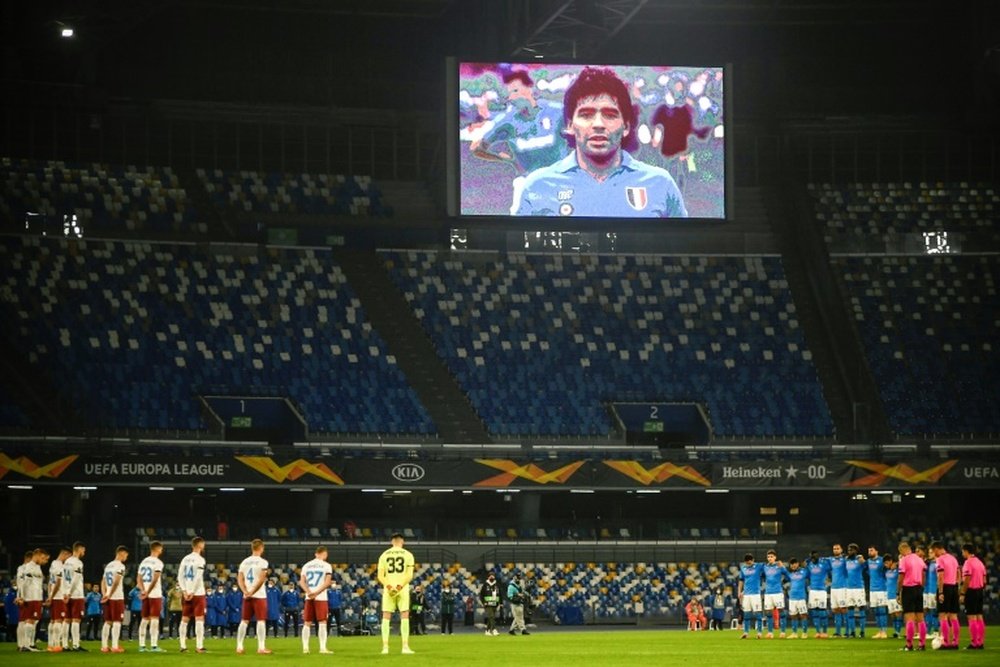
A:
(590, 141)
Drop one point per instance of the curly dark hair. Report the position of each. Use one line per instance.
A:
(594, 81)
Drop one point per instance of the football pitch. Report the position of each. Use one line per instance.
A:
(544, 647)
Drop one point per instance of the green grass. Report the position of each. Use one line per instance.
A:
(545, 647)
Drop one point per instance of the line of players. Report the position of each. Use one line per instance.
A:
(66, 597)
(908, 590)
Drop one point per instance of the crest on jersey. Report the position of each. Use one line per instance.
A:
(636, 197)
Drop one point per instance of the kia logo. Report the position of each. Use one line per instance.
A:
(408, 472)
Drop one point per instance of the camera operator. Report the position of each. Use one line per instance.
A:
(518, 598)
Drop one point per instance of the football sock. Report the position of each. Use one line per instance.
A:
(261, 634)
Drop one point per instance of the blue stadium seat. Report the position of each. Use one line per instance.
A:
(138, 330)
(584, 331)
(103, 197)
(930, 331)
(298, 194)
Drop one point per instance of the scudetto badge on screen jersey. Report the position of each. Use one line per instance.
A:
(636, 197)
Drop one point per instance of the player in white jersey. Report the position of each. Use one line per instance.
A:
(30, 598)
(191, 575)
(251, 579)
(56, 603)
(74, 594)
(151, 594)
(19, 580)
(113, 599)
(314, 581)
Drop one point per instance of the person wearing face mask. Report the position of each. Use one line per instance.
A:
(600, 178)
(447, 608)
(217, 613)
(489, 595)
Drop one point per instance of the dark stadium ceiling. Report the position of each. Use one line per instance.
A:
(296, 51)
(553, 28)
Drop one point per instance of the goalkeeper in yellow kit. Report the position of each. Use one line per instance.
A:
(395, 571)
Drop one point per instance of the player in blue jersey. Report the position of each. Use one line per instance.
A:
(528, 135)
(930, 592)
(797, 603)
(893, 608)
(856, 600)
(599, 178)
(819, 571)
(838, 590)
(774, 594)
(877, 600)
(748, 592)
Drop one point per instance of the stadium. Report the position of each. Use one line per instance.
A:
(371, 276)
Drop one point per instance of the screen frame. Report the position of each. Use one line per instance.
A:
(453, 147)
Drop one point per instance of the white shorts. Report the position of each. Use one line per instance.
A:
(930, 601)
(894, 607)
(750, 603)
(774, 601)
(877, 599)
(838, 598)
(856, 597)
(817, 599)
(797, 607)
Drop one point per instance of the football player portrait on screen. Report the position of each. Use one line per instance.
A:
(527, 135)
(599, 177)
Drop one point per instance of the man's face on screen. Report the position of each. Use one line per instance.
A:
(598, 127)
(518, 94)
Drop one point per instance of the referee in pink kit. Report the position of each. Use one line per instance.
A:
(947, 595)
(973, 583)
(912, 575)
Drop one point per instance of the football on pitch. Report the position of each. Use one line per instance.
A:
(936, 643)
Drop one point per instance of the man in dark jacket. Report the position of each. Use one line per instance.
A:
(273, 606)
(216, 612)
(447, 607)
(489, 595)
(417, 602)
(290, 604)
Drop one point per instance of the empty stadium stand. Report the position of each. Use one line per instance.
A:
(12, 415)
(105, 198)
(857, 211)
(605, 591)
(139, 330)
(929, 327)
(294, 194)
(542, 343)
